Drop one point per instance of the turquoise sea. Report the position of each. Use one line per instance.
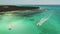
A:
(49, 22)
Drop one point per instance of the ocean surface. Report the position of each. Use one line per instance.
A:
(46, 22)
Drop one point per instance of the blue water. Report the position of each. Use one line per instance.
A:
(52, 25)
(28, 25)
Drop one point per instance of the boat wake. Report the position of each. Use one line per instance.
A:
(43, 20)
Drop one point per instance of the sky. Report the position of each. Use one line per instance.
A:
(35, 2)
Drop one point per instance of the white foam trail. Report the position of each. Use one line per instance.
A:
(11, 25)
(43, 20)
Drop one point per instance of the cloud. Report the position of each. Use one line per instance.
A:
(29, 2)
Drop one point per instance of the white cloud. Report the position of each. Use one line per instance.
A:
(29, 2)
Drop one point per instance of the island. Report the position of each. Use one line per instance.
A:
(14, 7)
(20, 10)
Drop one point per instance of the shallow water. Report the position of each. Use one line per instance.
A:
(49, 20)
